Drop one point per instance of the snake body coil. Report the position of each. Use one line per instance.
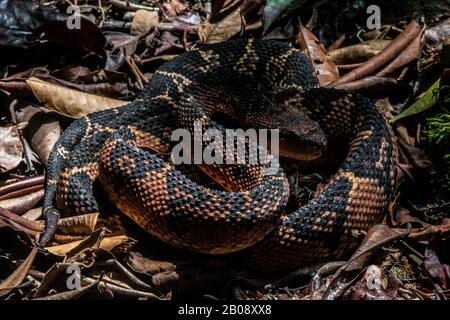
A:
(260, 84)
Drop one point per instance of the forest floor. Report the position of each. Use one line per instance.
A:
(55, 67)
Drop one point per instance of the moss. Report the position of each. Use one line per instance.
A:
(439, 135)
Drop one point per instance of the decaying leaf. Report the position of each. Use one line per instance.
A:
(440, 272)
(22, 204)
(326, 70)
(173, 7)
(223, 30)
(107, 243)
(69, 102)
(122, 40)
(70, 294)
(376, 237)
(220, 8)
(144, 21)
(33, 214)
(11, 148)
(16, 278)
(88, 37)
(78, 225)
(376, 286)
(42, 131)
(144, 265)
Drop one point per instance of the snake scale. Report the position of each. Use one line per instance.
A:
(259, 84)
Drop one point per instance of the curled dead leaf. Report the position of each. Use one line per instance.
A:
(78, 225)
(143, 22)
(11, 148)
(144, 265)
(107, 243)
(223, 30)
(326, 70)
(42, 131)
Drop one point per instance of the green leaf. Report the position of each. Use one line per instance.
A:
(274, 8)
(428, 100)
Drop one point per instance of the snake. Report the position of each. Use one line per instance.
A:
(125, 155)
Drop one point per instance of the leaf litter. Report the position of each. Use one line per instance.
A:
(62, 74)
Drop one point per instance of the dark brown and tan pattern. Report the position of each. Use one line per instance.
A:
(258, 84)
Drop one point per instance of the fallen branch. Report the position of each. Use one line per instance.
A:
(387, 54)
(411, 53)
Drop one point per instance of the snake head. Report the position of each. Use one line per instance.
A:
(300, 137)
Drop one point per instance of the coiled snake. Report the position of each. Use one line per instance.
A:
(259, 84)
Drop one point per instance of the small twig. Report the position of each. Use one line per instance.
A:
(417, 260)
(32, 228)
(102, 11)
(128, 274)
(137, 73)
(120, 290)
(126, 5)
(407, 246)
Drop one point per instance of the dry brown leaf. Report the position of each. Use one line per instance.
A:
(42, 131)
(326, 70)
(18, 275)
(71, 294)
(221, 7)
(22, 204)
(376, 237)
(33, 214)
(10, 148)
(223, 30)
(107, 244)
(144, 21)
(149, 266)
(69, 102)
(78, 225)
(172, 8)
